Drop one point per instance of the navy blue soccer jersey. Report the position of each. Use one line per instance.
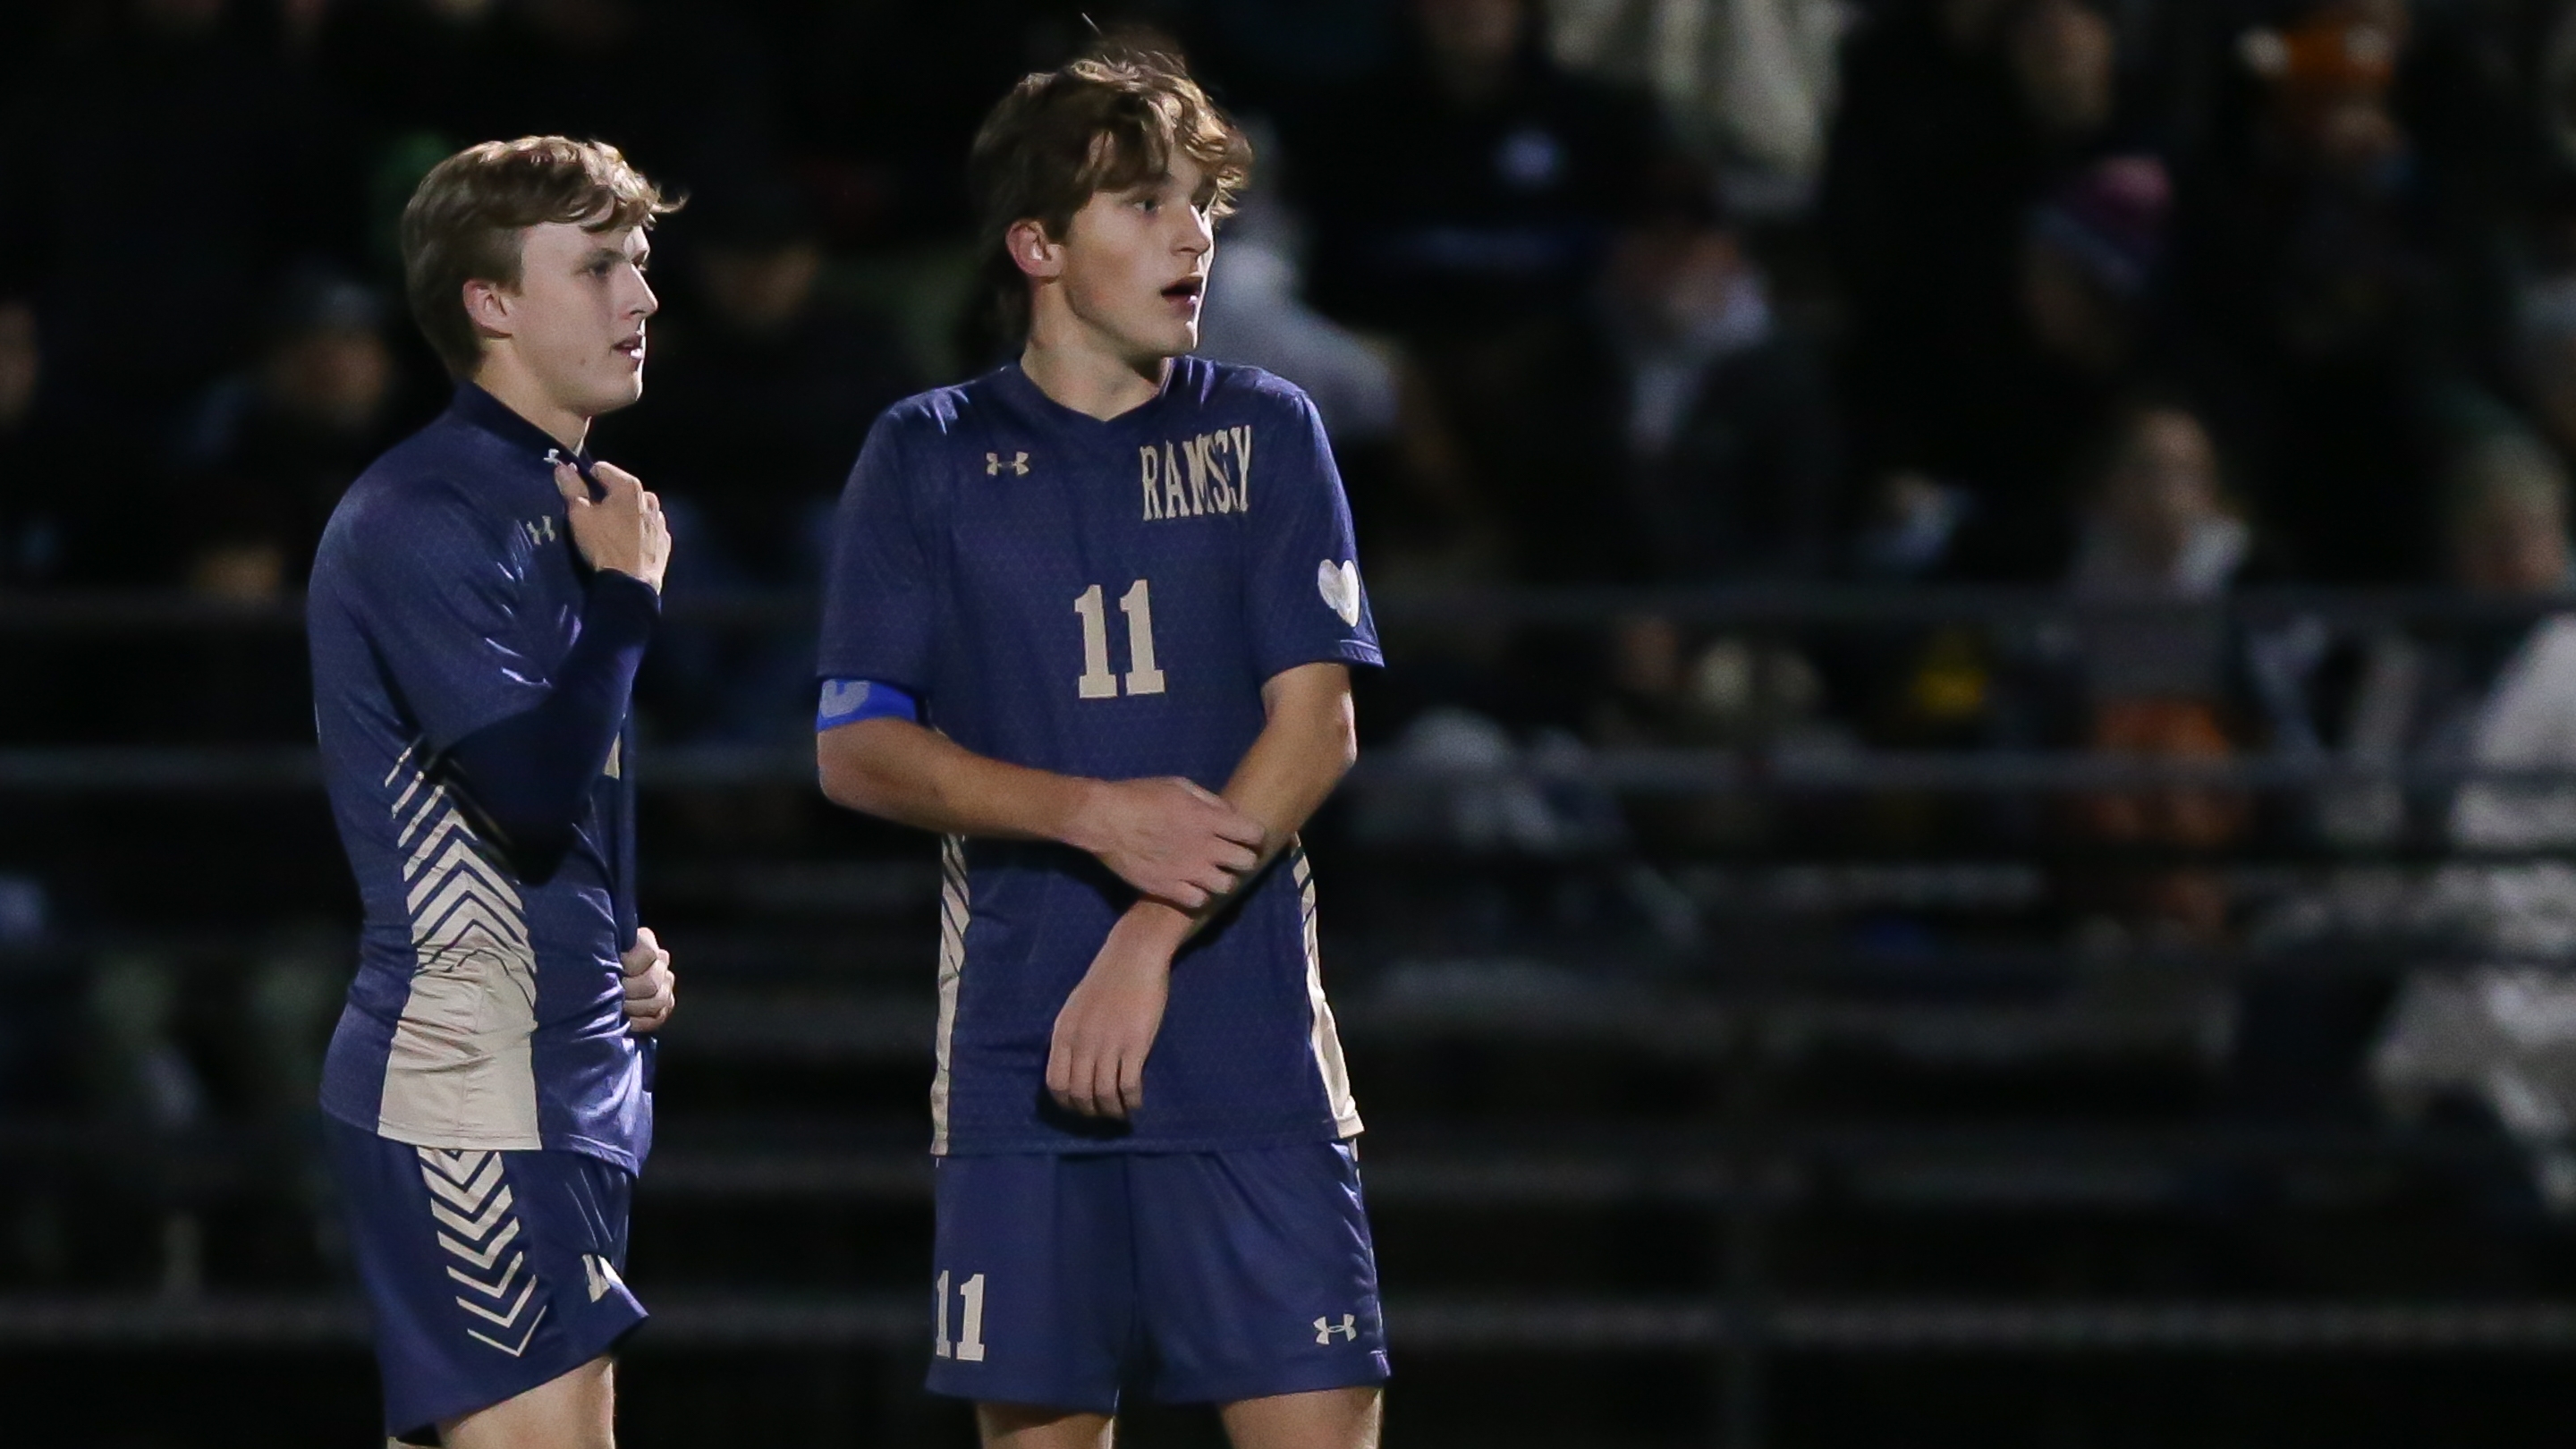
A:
(1106, 599)
(488, 1011)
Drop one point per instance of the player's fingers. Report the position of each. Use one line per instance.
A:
(576, 493)
(1131, 1082)
(1239, 858)
(1059, 1071)
(1240, 828)
(616, 480)
(646, 949)
(652, 503)
(1105, 1098)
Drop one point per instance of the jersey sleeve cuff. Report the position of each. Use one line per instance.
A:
(1341, 651)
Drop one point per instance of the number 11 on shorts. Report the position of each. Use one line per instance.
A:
(969, 1347)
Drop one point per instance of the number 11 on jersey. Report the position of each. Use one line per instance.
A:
(1096, 682)
(969, 1344)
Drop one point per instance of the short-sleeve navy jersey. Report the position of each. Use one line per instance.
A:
(488, 1011)
(1107, 599)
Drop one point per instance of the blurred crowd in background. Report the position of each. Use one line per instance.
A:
(2136, 299)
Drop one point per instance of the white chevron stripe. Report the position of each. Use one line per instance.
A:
(396, 772)
(487, 1256)
(458, 1073)
(492, 1290)
(510, 1319)
(456, 1167)
(475, 1181)
(1323, 1038)
(513, 1350)
(955, 912)
(479, 1226)
(467, 1197)
(428, 811)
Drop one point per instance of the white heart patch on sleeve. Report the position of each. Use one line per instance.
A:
(1339, 583)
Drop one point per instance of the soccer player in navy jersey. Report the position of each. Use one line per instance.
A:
(480, 602)
(1092, 617)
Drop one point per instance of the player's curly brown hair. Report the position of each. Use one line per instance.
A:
(1111, 120)
(464, 221)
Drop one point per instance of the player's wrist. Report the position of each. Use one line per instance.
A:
(1156, 926)
(1082, 817)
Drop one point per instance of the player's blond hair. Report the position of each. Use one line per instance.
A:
(465, 223)
(1106, 122)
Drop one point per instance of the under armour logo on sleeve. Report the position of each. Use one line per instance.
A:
(1018, 463)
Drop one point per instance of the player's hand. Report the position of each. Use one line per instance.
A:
(1170, 839)
(1097, 1064)
(622, 532)
(652, 988)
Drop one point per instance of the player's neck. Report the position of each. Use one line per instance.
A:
(1077, 369)
(517, 389)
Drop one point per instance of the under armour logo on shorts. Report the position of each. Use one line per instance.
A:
(1348, 1328)
(1018, 463)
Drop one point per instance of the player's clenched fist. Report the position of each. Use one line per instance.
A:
(1096, 1065)
(652, 988)
(1169, 838)
(623, 531)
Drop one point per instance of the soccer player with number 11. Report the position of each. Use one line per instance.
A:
(1091, 616)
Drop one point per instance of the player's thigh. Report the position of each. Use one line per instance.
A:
(1032, 1281)
(576, 1410)
(1259, 1279)
(1320, 1419)
(1027, 1426)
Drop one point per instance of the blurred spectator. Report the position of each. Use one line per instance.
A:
(152, 171)
(2306, 255)
(1957, 116)
(760, 393)
(2157, 681)
(2546, 359)
(2433, 696)
(1473, 181)
(2498, 697)
(1256, 312)
(268, 452)
(761, 389)
(1730, 429)
(1462, 200)
(1745, 84)
(2088, 263)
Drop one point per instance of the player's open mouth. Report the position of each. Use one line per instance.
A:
(1187, 289)
(633, 348)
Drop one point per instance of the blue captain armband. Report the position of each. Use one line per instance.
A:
(848, 701)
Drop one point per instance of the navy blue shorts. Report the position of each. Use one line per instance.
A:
(488, 1273)
(1189, 1277)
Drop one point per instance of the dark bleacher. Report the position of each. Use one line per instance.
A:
(1834, 1137)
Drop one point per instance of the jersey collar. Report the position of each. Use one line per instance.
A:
(1017, 384)
(479, 408)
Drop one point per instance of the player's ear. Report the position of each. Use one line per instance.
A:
(1034, 252)
(488, 307)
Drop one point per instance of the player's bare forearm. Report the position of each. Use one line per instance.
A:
(1168, 838)
(1308, 742)
(913, 776)
(1096, 1063)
